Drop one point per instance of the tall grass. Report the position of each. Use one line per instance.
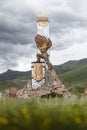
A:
(43, 114)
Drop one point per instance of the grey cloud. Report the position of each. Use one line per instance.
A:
(15, 51)
(18, 28)
(18, 25)
(10, 54)
(63, 21)
(9, 62)
(7, 57)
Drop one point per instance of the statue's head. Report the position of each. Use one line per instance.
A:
(41, 40)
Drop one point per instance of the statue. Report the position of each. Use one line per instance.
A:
(43, 44)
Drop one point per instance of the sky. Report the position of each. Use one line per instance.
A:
(68, 31)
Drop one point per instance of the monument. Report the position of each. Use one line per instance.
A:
(43, 44)
(43, 73)
(45, 82)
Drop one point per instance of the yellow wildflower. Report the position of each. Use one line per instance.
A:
(3, 121)
(68, 109)
(78, 120)
(46, 124)
(15, 120)
(25, 113)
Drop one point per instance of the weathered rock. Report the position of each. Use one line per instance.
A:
(54, 87)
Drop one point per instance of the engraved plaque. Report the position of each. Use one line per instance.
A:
(38, 71)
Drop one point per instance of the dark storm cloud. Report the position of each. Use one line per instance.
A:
(17, 23)
(10, 54)
(7, 56)
(64, 26)
(62, 21)
(9, 62)
(18, 27)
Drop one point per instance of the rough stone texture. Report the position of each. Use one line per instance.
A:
(12, 92)
(48, 78)
(85, 92)
(54, 87)
(43, 45)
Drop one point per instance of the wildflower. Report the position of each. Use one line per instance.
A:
(3, 121)
(15, 120)
(78, 120)
(46, 124)
(68, 109)
(25, 113)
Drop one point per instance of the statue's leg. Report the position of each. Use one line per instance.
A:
(45, 57)
(48, 63)
(39, 56)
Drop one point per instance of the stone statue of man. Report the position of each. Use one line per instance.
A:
(43, 44)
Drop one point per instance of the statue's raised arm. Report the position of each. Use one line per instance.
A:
(43, 44)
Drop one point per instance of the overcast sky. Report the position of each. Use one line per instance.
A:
(68, 31)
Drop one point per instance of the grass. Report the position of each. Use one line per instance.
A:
(75, 80)
(13, 83)
(74, 76)
(43, 114)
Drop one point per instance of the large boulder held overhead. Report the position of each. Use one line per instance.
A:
(43, 44)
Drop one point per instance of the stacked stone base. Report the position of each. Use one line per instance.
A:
(53, 87)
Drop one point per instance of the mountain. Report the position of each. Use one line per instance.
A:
(70, 65)
(76, 79)
(10, 74)
(72, 73)
(60, 69)
(14, 79)
(77, 75)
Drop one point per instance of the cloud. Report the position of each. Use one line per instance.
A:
(16, 23)
(68, 26)
(74, 52)
(71, 36)
(15, 56)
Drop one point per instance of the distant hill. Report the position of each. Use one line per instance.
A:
(11, 74)
(70, 65)
(66, 67)
(72, 73)
(77, 75)
(76, 79)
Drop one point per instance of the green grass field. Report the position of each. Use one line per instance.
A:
(19, 83)
(77, 75)
(43, 114)
(75, 80)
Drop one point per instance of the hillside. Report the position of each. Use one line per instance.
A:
(12, 83)
(74, 76)
(11, 74)
(66, 67)
(72, 73)
(70, 65)
(75, 80)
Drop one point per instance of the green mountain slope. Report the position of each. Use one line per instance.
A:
(70, 65)
(73, 74)
(18, 83)
(77, 75)
(75, 80)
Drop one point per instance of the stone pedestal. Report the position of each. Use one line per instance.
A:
(38, 74)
